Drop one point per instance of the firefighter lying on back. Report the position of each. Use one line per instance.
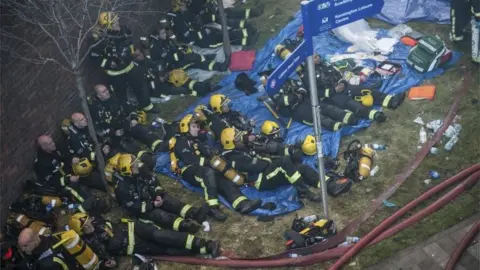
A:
(292, 100)
(191, 158)
(117, 55)
(138, 191)
(43, 256)
(116, 121)
(264, 173)
(127, 237)
(53, 168)
(165, 48)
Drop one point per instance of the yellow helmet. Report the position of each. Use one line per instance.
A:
(77, 222)
(83, 168)
(142, 117)
(270, 128)
(124, 165)
(178, 77)
(114, 160)
(366, 100)
(199, 115)
(227, 138)
(66, 123)
(177, 5)
(107, 19)
(185, 123)
(309, 146)
(217, 101)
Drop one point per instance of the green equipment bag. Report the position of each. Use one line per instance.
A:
(427, 54)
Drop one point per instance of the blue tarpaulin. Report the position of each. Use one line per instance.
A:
(401, 11)
(325, 44)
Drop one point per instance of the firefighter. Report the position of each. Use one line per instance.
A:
(221, 106)
(236, 17)
(43, 256)
(119, 121)
(53, 168)
(117, 56)
(80, 145)
(138, 191)
(165, 48)
(293, 101)
(460, 15)
(128, 237)
(190, 31)
(264, 173)
(190, 156)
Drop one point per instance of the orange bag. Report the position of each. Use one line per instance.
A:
(422, 92)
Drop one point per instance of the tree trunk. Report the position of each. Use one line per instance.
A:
(91, 128)
(227, 48)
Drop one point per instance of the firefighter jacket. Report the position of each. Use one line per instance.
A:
(183, 26)
(45, 257)
(108, 239)
(115, 52)
(192, 151)
(137, 193)
(53, 169)
(247, 164)
(80, 144)
(167, 50)
(327, 77)
(289, 97)
(275, 147)
(111, 115)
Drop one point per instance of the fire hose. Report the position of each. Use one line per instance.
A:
(457, 253)
(327, 250)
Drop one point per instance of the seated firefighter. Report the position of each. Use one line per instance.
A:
(165, 48)
(138, 191)
(191, 158)
(266, 173)
(190, 30)
(208, 11)
(293, 101)
(55, 168)
(117, 56)
(128, 237)
(119, 122)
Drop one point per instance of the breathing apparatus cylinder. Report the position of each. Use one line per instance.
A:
(219, 164)
(365, 161)
(475, 42)
(79, 249)
(55, 202)
(282, 52)
(39, 227)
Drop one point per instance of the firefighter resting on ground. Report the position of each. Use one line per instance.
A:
(118, 57)
(53, 168)
(461, 14)
(191, 158)
(263, 172)
(190, 30)
(127, 237)
(209, 12)
(293, 101)
(164, 47)
(271, 144)
(138, 191)
(118, 122)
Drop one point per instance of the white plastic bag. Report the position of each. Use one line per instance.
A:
(355, 32)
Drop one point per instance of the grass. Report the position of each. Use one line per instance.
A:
(249, 238)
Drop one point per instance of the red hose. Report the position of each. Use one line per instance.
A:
(377, 231)
(282, 259)
(462, 246)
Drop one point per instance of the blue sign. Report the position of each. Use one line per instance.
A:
(319, 16)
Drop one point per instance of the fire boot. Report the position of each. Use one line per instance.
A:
(248, 206)
(189, 226)
(198, 215)
(217, 214)
(396, 101)
(305, 192)
(213, 247)
(380, 117)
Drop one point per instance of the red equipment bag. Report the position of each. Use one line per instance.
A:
(242, 60)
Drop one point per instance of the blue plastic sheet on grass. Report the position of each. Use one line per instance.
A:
(325, 44)
(401, 11)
